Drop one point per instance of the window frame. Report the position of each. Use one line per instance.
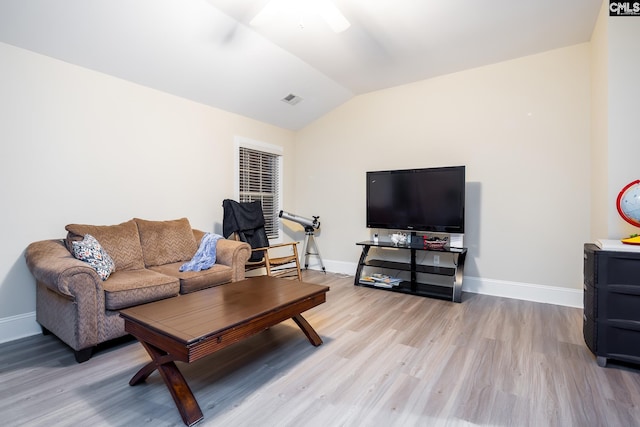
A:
(278, 151)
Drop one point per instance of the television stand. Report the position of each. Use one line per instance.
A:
(450, 292)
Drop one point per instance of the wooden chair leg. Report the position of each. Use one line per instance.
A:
(295, 252)
(267, 266)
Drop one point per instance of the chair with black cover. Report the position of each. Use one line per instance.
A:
(245, 222)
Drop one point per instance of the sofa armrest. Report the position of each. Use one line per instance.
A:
(53, 265)
(235, 254)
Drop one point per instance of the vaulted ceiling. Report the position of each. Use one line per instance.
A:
(207, 51)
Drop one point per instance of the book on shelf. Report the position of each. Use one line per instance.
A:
(383, 285)
(380, 280)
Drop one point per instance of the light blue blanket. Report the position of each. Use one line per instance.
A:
(205, 256)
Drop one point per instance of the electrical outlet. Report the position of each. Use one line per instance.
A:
(436, 259)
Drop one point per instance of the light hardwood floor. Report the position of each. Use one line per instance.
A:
(387, 360)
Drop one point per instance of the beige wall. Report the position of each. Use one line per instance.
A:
(623, 114)
(80, 146)
(599, 127)
(615, 148)
(522, 129)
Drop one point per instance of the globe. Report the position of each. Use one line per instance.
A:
(628, 203)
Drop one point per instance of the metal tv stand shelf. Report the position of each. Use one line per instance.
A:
(451, 293)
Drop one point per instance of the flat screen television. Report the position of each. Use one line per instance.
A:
(429, 199)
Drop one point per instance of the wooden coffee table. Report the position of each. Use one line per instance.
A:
(192, 326)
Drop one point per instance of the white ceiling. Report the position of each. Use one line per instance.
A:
(205, 50)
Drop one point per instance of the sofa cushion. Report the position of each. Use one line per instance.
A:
(191, 281)
(165, 242)
(121, 242)
(133, 287)
(90, 251)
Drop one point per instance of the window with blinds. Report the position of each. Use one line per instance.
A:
(258, 180)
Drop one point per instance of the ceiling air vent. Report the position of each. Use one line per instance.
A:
(291, 99)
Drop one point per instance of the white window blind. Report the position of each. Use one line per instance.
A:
(258, 180)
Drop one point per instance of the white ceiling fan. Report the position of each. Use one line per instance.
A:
(299, 11)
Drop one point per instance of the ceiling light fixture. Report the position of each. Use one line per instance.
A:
(300, 10)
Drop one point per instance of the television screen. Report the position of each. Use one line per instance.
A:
(430, 199)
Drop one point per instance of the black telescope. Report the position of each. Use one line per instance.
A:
(308, 224)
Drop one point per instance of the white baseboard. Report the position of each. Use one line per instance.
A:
(339, 267)
(499, 288)
(524, 291)
(20, 326)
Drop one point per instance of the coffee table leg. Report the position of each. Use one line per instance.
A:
(175, 382)
(311, 334)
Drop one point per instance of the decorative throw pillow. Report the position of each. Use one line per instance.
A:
(121, 241)
(90, 251)
(166, 242)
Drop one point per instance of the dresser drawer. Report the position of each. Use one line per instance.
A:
(620, 340)
(619, 302)
(621, 269)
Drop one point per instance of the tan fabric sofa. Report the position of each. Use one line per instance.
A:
(76, 305)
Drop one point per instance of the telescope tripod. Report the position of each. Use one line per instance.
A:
(308, 240)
